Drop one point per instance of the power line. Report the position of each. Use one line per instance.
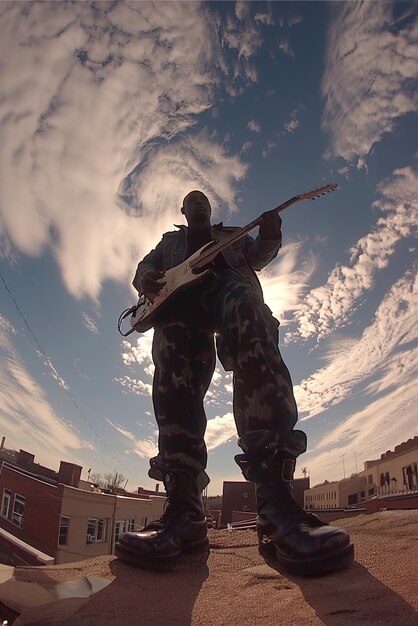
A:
(56, 374)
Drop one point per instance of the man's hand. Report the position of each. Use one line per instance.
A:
(270, 227)
(151, 283)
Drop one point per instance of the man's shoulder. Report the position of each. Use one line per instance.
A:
(174, 233)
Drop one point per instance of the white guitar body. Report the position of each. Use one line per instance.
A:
(196, 268)
(176, 279)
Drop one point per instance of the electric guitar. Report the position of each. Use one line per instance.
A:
(196, 268)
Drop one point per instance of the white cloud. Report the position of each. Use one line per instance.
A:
(146, 448)
(284, 46)
(89, 323)
(331, 305)
(83, 144)
(241, 33)
(266, 151)
(76, 362)
(294, 19)
(219, 430)
(26, 418)
(370, 76)
(139, 353)
(254, 126)
(385, 354)
(121, 430)
(283, 284)
(246, 146)
(293, 123)
(134, 385)
(264, 18)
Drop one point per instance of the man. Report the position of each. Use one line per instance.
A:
(229, 307)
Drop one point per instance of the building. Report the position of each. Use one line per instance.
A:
(394, 473)
(51, 515)
(336, 494)
(239, 496)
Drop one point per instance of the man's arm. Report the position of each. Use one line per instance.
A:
(261, 251)
(148, 273)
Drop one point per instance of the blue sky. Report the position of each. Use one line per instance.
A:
(110, 113)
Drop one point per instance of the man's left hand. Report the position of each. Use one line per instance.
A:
(270, 227)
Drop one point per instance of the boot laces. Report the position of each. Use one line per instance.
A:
(171, 511)
(299, 514)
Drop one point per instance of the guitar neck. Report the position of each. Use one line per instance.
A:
(239, 234)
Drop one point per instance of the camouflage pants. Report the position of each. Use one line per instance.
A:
(226, 310)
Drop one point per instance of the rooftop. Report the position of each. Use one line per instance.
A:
(236, 586)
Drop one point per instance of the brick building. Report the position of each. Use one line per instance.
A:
(46, 514)
(239, 497)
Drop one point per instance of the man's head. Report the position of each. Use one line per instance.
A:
(196, 209)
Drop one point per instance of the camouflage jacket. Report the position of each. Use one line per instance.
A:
(244, 256)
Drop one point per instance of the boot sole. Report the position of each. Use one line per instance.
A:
(192, 555)
(343, 558)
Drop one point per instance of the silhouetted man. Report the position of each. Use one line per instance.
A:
(226, 310)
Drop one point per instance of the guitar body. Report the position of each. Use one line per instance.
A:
(177, 278)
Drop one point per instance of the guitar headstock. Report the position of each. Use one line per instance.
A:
(320, 191)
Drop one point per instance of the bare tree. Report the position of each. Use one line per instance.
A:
(98, 480)
(114, 481)
(110, 481)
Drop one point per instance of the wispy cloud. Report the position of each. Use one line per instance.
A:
(76, 362)
(135, 385)
(330, 306)
(293, 123)
(93, 172)
(146, 448)
(294, 19)
(284, 46)
(385, 354)
(254, 126)
(220, 430)
(264, 18)
(90, 323)
(121, 430)
(242, 34)
(26, 417)
(285, 281)
(371, 63)
(266, 151)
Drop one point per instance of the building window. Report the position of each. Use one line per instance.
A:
(410, 476)
(96, 531)
(18, 510)
(123, 526)
(5, 503)
(64, 530)
(352, 499)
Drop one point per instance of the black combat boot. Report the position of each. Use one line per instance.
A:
(181, 529)
(296, 539)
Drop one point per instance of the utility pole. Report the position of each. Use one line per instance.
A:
(355, 459)
(342, 456)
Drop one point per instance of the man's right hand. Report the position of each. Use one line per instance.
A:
(151, 283)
